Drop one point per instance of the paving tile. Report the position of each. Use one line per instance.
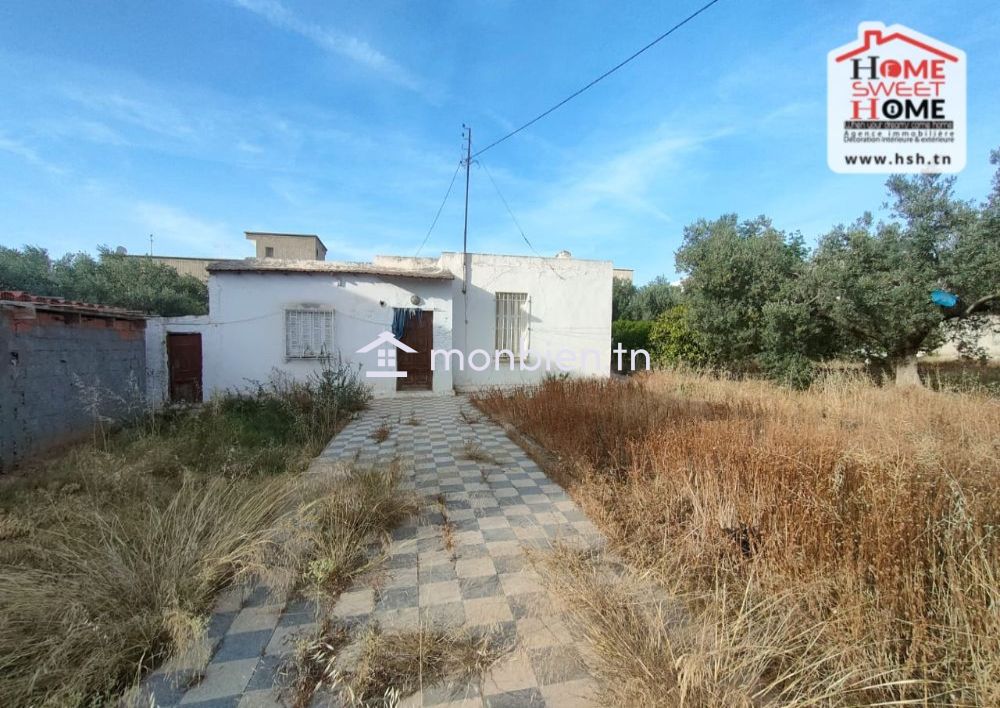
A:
(485, 586)
(475, 567)
(355, 603)
(219, 623)
(448, 615)
(260, 699)
(452, 694)
(400, 620)
(286, 635)
(511, 673)
(439, 572)
(266, 674)
(242, 645)
(524, 581)
(440, 593)
(487, 611)
(557, 664)
(223, 680)
(524, 698)
(255, 618)
(397, 598)
(571, 694)
(535, 631)
(484, 582)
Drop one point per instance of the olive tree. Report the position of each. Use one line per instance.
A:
(875, 281)
(747, 301)
(110, 279)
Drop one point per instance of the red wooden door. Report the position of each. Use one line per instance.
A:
(419, 334)
(184, 365)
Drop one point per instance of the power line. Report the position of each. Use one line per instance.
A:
(440, 208)
(603, 76)
(514, 218)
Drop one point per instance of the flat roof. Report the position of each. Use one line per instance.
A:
(207, 259)
(279, 265)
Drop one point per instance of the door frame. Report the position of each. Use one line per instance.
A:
(173, 393)
(401, 382)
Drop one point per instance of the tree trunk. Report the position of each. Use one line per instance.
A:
(906, 371)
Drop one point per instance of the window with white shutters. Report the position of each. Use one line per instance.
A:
(512, 322)
(308, 334)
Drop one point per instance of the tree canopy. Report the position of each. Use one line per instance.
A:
(134, 283)
(745, 297)
(756, 299)
(874, 281)
(643, 303)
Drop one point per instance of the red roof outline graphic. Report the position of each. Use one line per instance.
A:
(875, 36)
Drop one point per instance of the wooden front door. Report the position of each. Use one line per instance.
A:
(184, 365)
(419, 334)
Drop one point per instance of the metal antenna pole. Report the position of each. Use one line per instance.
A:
(465, 230)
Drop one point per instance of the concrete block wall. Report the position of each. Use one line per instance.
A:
(44, 355)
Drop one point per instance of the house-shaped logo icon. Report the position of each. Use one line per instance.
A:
(386, 357)
(895, 103)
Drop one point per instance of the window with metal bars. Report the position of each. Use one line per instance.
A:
(512, 322)
(308, 334)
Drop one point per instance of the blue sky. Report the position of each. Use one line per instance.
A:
(195, 120)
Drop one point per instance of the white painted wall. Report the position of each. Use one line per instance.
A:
(157, 328)
(570, 309)
(989, 340)
(243, 337)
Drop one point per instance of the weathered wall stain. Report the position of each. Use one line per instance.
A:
(47, 348)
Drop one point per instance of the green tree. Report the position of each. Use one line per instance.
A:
(874, 281)
(674, 340)
(111, 279)
(652, 299)
(622, 292)
(748, 304)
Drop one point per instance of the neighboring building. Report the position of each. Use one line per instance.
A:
(197, 267)
(623, 274)
(989, 340)
(68, 367)
(298, 247)
(545, 315)
(304, 247)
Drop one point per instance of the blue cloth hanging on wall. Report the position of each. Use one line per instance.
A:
(399, 317)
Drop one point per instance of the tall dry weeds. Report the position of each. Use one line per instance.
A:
(836, 546)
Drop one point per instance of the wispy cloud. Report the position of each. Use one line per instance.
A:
(29, 155)
(196, 236)
(332, 41)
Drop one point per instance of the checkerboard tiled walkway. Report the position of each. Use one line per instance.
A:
(495, 504)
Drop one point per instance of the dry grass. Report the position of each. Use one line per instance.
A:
(356, 513)
(107, 595)
(381, 433)
(473, 450)
(386, 666)
(447, 527)
(836, 546)
(111, 555)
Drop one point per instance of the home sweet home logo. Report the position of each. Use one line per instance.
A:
(895, 103)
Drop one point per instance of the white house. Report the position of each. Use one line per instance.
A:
(410, 324)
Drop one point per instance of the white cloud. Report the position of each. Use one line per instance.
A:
(178, 233)
(29, 155)
(331, 40)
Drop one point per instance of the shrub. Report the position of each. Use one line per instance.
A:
(632, 335)
(673, 339)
